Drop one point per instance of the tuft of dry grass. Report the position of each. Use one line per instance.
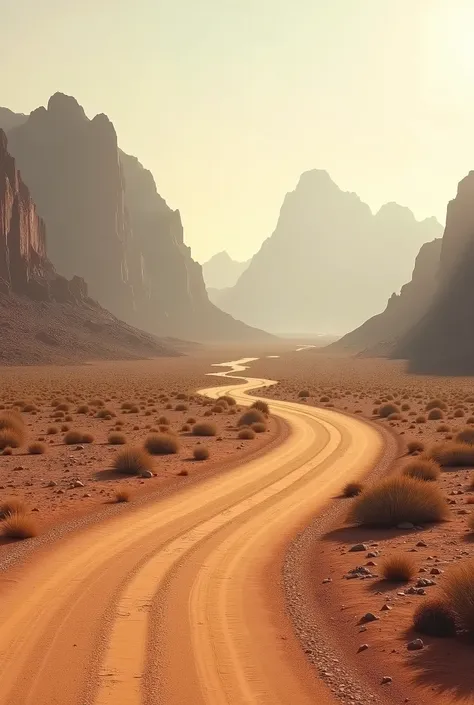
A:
(465, 436)
(246, 434)
(204, 428)
(435, 617)
(352, 489)
(387, 410)
(133, 461)
(425, 469)
(116, 439)
(250, 417)
(435, 415)
(12, 506)
(230, 401)
(458, 587)
(262, 406)
(399, 499)
(452, 454)
(303, 394)
(398, 568)
(259, 427)
(201, 453)
(19, 526)
(87, 438)
(161, 444)
(9, 438)
(415, 446)
(36, 448)
(72, 438)
(436, 404)
(52, 430)
(122, 495)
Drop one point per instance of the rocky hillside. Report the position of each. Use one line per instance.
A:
(45, 317)
(222, 272)
(107, 223)
(443, 341)
(329, 263)
(380, 334)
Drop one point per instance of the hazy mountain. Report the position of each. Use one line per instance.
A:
(329, 263)
(222, 272)
(107, 223)
(45, 317)
(9, 119)
(442, 342)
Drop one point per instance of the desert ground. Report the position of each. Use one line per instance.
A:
(230, 564)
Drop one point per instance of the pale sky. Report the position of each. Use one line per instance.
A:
(228, 101)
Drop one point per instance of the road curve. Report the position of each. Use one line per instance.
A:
(178, 601)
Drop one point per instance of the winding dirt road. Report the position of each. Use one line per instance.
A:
(178, 601)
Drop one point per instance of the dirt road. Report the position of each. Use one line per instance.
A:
(178, 602)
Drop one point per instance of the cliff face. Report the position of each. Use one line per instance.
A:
(107, 223)
(381, 333)
(443, 340)
(329, 262)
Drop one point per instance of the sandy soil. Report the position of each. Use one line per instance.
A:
(441, 669)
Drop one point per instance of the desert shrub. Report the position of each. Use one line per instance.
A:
(122, 495)
(352, 489)
(52, 430)
(259, 427)
(36, 448)
(436, 404)
(201, 453)
(425, 469)
(9, 439)
(181, 407)
(164, 421)
(458, 587)
(415, 446)
(435, 415)
(116, 439)
(87, 438)
(62, 407)
(246, 434)
(181, 395)
(250, 417)
(325, 399)
(442, 428)
(72, 438)
(65, 427)
(191, 420)
(399, 499)
(262, 406)
(162, 444)
(104, 414)
(451, 454)
(133, 461)
(7, 451)
(204, 428)
(218, 408)
(303, 394)
(12, 421)
(185, 428)
(435, 617)
(387, 410)
(405, 407)
(398, 568)
(12, 506)
(465, 436)
(458, 413)
(420, 419)
(82, 409)
(230, 401)
(19, 526)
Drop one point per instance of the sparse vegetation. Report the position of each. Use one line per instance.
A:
(72, 438)
(133, 461)
(204, 428)
(398, 568)
(19, 526)
(452, 454)
(415, 446)
(250, 417)
(36, 448)
(122, 495)
(425, 469)
(262, 406)
(352, 489)
(458, 587)
(116, 439)
(201, 453)
(435, 617)
(387, 410)
(246, 434)
(162, 444)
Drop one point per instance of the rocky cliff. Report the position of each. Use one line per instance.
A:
(380, 335)
(44, 317)
(107, 223)
(222, 272)
(329, 263)
(442, 342)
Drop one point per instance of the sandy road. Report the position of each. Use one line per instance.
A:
(178, 602)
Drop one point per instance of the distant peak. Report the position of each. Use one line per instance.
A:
(66, 105)
(392, 208)
(315, 177)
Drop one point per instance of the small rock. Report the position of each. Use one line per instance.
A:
(52, 483)
(327, 580)
(147, 473)
(386, 608)
(415, 645)
(373, 554)
(424, 582)
(386, 679)
(422, 544)
(79, 448)
(369, 617)
(405, 525)
(362, 647)
(358, 547)
(77, 483)
(435, 571)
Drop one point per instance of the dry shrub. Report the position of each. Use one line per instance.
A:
(72, 438)
(19, 526)
(204, 428)
(262, 406)
(181, 407)
(246, 434)
(12, 421)
(52, 430)
(122, 495)
(425, 469)
(230, 401)
(201, 453)
(436, 404)
(458, 413)
(399, 499)
(259, 427)
(387, 410)
(398, 568)
(185, 428)
(352, 489)
(303, 394)
(420, 419)
(250, 417)
(36, 448)
(133, 461)
(104, 414)
(116, 439)
(435, 617)
(458, 587)
(162, 444)
(12, 506)
(9, 439)
(164, 421)
(87, 438)
(451, 454)
(415, 446)
(7, 451)
(435, 415)
(465, 436)
(82, 409)
(442, 428)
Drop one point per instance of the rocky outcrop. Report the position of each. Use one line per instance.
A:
(442, 342)
(329, 263)
(107, 223)
(9, 119)
(380, 335)
(222, 272)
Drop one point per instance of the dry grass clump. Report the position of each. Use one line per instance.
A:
(262, 406)
(52, 430)
(398, 568)
(87, 438)
(82, 409)
(435, 617)
(106, 414)
(73, 438)
(425, 469)
(164, 421)
(12, 506)
(201, 453)
(451, 454)
(9, 439)
(246, 434)
(204, 428)
(116, 439)
(436, 404)
(396, 500)
(442, 428)
(387, 410)
(181, 407)
(435, 415)
(230, 401)
(465, 436)
(161, 444)
(259, 427)
(12, 426)
(303, 394)
(458, 413)
(19, 526)
(352, 489)
(122, 495)
(415, 446)
(250, 417)
(133, 461)
(36, 448)
(458, 587)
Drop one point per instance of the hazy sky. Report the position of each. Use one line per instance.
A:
(228, 101)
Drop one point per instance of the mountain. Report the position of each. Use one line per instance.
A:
(329, 262)
(9, 119)
(107, 223)
(443, 340)
(45, 317)
(380, 334)
(222, 272)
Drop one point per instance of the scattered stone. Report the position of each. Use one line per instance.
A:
(147, 473)
(416, 645)
(435, 571)
(373, 554)
(52, 483)
(358, 547)
(386, 679)
(77, 483)
(422, 544)
(424, 582)
(369, 617)
(386, 608)
(79, 448)
(362, 647)
(405, 525)
(327, 580)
